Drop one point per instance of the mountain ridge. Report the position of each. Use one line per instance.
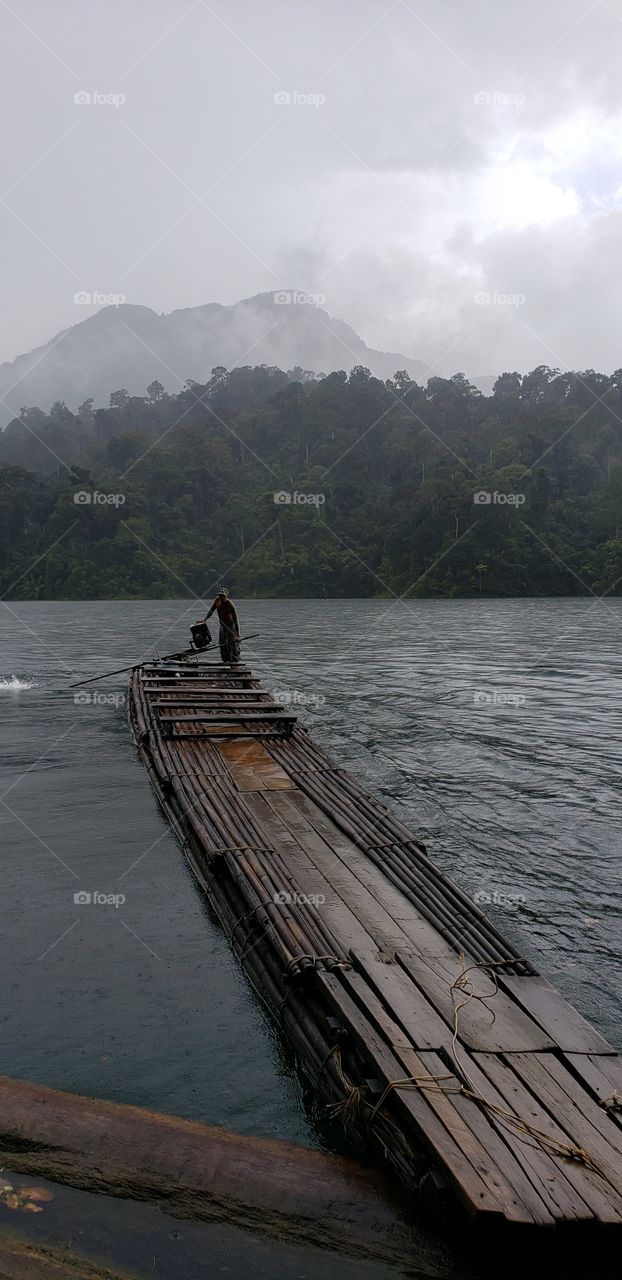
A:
(130, 345)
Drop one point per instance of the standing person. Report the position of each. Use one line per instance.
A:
(229, 637)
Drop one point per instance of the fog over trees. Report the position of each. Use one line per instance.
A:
(284, 484)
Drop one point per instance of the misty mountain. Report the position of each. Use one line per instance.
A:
(131, 346)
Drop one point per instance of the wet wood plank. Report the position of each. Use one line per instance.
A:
(585, 1122)
(577, 1192)
(603, 1076)
(495, 1026)
(409, 1006)
(410, 923)
(487, 1151)
(253, 768)
(379, 926)
(466, 1180)
(340, 916)
(564, 1024)
(543, 1172)
(216, 715)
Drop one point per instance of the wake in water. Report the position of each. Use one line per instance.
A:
(13, 684)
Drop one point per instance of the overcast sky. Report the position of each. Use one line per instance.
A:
(447, 175)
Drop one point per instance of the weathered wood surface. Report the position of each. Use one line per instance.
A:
(421, 1025)
(197, 1171)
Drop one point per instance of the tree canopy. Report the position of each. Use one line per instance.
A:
(378, 488)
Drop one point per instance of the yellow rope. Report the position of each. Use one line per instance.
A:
(355, 1094)
(614, 1103)
(347, 1109)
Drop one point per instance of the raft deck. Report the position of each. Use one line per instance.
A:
(420, 1024)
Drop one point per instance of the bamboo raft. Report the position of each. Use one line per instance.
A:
(420, 1025)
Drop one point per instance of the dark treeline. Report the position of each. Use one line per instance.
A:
(177, 491)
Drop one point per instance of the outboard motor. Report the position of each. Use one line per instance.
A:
(201, 635)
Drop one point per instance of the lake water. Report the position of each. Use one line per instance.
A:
(493, 727)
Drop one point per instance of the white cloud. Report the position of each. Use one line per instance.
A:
(398, 198)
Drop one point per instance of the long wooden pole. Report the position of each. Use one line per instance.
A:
(168, 657)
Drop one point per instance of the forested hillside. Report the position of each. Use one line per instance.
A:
(163, 495)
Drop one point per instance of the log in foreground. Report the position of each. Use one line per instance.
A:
(197, 1171)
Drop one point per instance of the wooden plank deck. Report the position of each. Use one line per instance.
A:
(420, 1024)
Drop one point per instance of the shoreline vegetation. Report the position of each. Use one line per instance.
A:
(296, 487)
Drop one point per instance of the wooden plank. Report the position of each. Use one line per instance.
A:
(273, 782)
(181, 682)
(412, 1103)
(364, 994)
(495, 1027)
(196, 677)
(195, 673)
(578, 1192)
(253, 768)
(217, 716)
(188, 695)
(379, 926)
(197, 735)
(149, 670)
(208, 695)
(602, 1073)
(245, 753)
(246, 779)
(273, 777)
(544, 1172)
(496, 1155)
(407, 1004)
(244, 697)
(214, 707)
(599, 1118)
(587, 1124)
(339, 916)
(430, 1064)
(564, 1024)
(197, 695)
(487, 1151)
(422, 936)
